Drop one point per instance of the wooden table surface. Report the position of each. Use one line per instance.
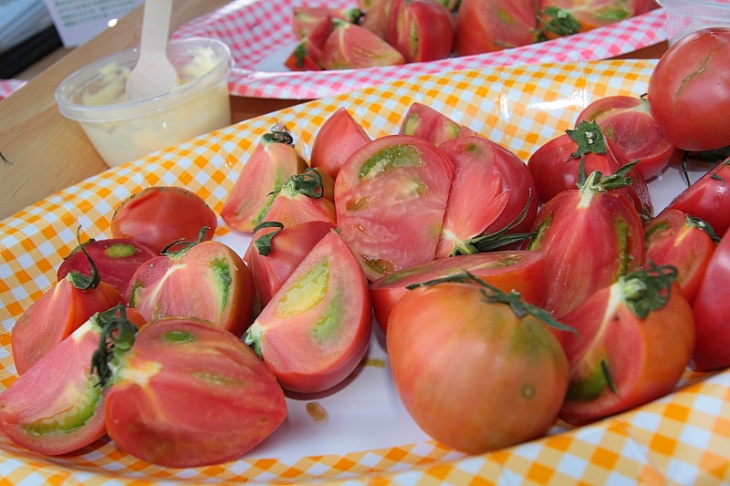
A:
(44, 152)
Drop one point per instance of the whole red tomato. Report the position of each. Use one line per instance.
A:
(634, 342)
(710, 312)
(206, 397)
(689, 91)
(158, 216)
(708, 198)
(475, 374)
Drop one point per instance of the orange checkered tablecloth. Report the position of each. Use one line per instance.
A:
(683, 438)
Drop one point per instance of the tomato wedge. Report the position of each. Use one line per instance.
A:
(391, 199)
(272, 163)
(338, 137)
(634, 342)
(207, 280)
(316, 329)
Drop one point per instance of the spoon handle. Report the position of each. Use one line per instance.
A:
(156, 26)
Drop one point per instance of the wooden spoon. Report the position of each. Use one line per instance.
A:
(154, 74)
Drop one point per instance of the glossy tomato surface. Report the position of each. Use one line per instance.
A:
(158, 216)
(472, 374)
(519, 270)
(631, 347)
(54, 316)
(391, 198)
(710, 312)
(492, 25)
(209, 281)
(351, 46)
(316, 328)
(189, 394)
(424, 30)
(689, 90)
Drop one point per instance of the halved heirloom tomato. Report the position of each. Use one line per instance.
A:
(306, 18)
(184, 393)
(391, 199)
(207, 280)
(476, 368)
(505, 203)
(567, 17)
(685, 242)
(634, 342)
(58, 313)
(272, 163)
(316, 329)
(337, 138)
(521, 271)
(423, 31)
(158, 216)
(590, 236)
(307, 55)
(56, 406)
(428, 123)
(276, 251)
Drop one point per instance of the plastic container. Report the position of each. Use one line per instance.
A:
(122, 131)
(686, 16)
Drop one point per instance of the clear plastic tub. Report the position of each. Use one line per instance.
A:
(686, 16)
(123, 130)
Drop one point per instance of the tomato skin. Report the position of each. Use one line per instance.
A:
(471, 374)
(506, 203)
(706, 196)
(710, 312)
(209, 281)
(287, 249)
(567, 17)
(54, 316)
(519, 270)
(645, 357)
(689, 91)
(627, 120)
(159, 405)
(273, 161)
(316, 328)
(293, 204)
(430, 124)
(588, 243)
(307, 55)
(116, 260)
(672, 239)
(338, 137)
(390, 198)
(55, 407)
(492, 25)
(159, 215)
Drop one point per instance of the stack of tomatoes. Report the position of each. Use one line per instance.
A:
(510, 294)
(389, 32)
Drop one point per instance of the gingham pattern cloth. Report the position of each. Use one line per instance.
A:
(257, 30)
(683, 438)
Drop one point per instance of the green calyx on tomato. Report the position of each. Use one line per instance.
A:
(589, 138)
(596, 182)
(494, 295)
(278, 136)
(559, 21)
(263, 243)
(187, 245)
(78, 279)
(389, 158)
(82, 411)
(648, 289)
(116, 339)
(308, 183)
